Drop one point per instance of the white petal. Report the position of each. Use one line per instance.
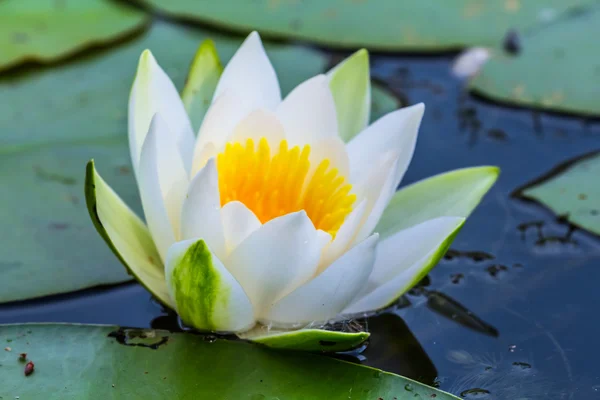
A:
(208, 151)
(238, 223)
(250, 75)
(376, 188)
(325, 296)
(205, 294)
(344, 236)
(257, 125)
(308, 113)
(396, 131)
(162, 184)
(402, 260)
(153, 92)
(403, 249)
(276, 258)
(217, 127)
(200, 214)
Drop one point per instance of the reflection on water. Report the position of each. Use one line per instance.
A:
(511, 312)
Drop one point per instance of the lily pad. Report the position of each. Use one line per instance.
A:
(48, 30)
(53, 122)
(107, 362)
(421, 25)
(553, 71)
(571, 191)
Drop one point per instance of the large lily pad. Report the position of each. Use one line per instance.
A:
(555, 69)
(48, 30)
(100, 362)
(53, 122)
(422, 25)
(571, 191)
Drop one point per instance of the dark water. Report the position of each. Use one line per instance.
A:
(511, 313)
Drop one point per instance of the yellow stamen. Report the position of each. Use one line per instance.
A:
(272, 185)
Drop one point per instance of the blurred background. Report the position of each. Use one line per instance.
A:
(510, 313)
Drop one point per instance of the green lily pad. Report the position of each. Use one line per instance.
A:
(84, 362)
(49, 30)
(554, 70)
(422, 25)
(571, 191)
(315, 340)
(53, 121)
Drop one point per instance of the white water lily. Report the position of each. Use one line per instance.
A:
(268, 217)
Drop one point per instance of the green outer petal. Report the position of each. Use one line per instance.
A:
(350, 85)
(201, 82)
(318, 340)
(207, 296)
(454, 193)
(125, 234)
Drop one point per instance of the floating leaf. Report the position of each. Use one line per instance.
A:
(571, 190)
(423, 25)
(555, 69)
(53, 122)
(78, 361)
(49, 30)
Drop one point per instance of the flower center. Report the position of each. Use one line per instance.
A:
(272, 185)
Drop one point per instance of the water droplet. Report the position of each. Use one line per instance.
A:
(408, 387)
(522, 365)
(512, 348)
(474, 393)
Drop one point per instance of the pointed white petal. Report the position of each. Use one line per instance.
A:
(257, 125)
(399, 264)
(205, 294)
(276, 258)
(344, 236)
(153, 92)
(396, 131)
(308, 113)
(218, 125)
(403, 249)
(350, 84)
(250, 75)
(200, 214)
(376, 188)
(238, 223)
(326, 295)
(208, 151)
(162, 184)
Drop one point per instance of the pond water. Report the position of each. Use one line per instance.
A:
(510, 313)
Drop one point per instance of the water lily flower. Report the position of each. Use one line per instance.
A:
(281, 214)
